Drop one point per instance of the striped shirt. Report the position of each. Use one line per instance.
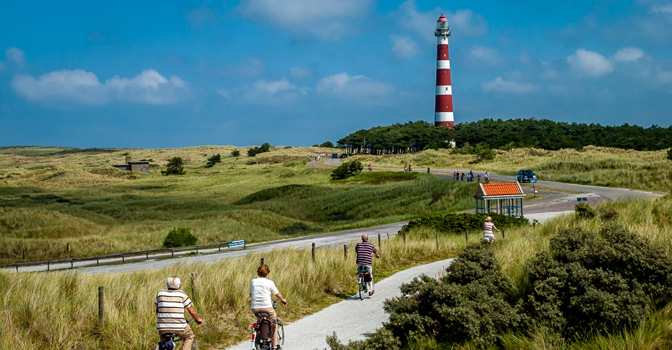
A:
(170, 306)
(487, 229)
(364, 251)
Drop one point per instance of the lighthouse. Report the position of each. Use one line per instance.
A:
(443, 107)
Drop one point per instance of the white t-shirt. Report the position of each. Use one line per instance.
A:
(261, 290)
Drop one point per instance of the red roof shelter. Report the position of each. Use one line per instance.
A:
(501, 198)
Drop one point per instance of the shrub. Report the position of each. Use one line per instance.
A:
(669, 154)
(347, 170)
(296, 228)
(584, 211)
(179, 237)
(265, 147)
(213, 160)
(174, 167)
(483, 152)
(235, 153)
(328, 144)
(457, 223)
(596, 283)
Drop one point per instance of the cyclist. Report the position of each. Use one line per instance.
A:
(170, 306)
(364, 250)
(261, 291)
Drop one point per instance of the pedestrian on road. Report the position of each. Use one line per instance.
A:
(261, 291)
(364, 250)
(409, 168)
(488, 234)
(462, 176)
(479, 178)
(170, 307)
(405, 167)
(370, 168)
(428, 172)
(487, 177)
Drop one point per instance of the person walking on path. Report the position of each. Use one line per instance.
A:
(170, 306)
(428, 171)
(487, 177)
(405, 167)
(364, 250)
(261, 291)
(488, 228)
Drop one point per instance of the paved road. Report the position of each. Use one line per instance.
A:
(351, 319)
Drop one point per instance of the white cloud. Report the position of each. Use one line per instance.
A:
(325, 19)
(628, 54)
(15, 55)
(662, 9)
(501, 85)
(271, 92)
(465, 22)
(148, 87)
(224, 93)
(403, 47)
(589, 63)
(300, 72)
(484, 56)
(356, 88)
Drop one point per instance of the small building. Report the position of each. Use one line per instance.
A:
(501, 198)
(138, 167)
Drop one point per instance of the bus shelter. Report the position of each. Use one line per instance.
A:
(501, 198)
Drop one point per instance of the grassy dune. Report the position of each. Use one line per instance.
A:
(59, 310)
(50, 197)
(600, 166)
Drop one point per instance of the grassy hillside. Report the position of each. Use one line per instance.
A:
(600, 166)
(50, 197)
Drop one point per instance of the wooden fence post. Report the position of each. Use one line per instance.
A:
(503, 235)
(101, 306)
(345, 251)
(262, 261)
(404, 235)
(194, 290)
(313, 252)
(379, 241)
(24, 254)
(437, 242)
(172, 252)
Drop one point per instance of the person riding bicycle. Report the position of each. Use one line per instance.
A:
(170, 306)
(261, 291)
(364, 250)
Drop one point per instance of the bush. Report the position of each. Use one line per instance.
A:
(179, 237)
(457, 223)
(256, 150)
(347, 170)
(235, 153)
(213, 160)
(297, 228)
(669, 154)
(597, 283)
(483, 152)
(174, 167)
(584, 211)
(328, 144)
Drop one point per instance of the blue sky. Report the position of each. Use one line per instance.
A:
(298, 72)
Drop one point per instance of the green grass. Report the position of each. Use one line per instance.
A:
(49, 199)
(600, 166)
(59, 310)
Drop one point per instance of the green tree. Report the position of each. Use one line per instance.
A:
(483, 152)
(669, 154)
(235, 153)
(327, 144)
(256, 150)
(213, 160)
(179, 237)
(347, 170)
(174, 167)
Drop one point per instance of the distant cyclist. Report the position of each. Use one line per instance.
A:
(261, 291)
(170, 306)
(364, 250)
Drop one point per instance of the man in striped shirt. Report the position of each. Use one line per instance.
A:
(364, 250)
(170, 305)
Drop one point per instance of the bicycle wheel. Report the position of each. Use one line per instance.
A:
(281, 334)
(361, 291)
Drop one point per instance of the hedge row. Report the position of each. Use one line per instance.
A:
(457, 223)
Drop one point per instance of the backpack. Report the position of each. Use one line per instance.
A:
(367, 276)
(165, 345)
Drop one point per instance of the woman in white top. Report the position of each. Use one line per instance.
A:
(261, 291)
(488, 234)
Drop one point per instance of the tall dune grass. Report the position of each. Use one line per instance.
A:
(60, 310)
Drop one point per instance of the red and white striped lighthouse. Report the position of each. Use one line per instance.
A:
(443, 107)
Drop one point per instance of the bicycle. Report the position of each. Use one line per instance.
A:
(361, 280)
(172, 341)
(259, 343)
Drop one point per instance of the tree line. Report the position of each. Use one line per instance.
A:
(538, 133)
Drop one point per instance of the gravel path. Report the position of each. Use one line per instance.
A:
(351, 319)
